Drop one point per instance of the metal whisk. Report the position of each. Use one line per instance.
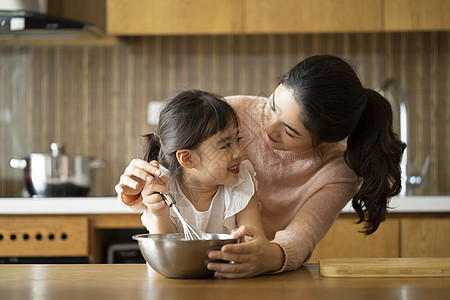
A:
(190, 232)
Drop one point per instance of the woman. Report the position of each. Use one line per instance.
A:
(320, 140)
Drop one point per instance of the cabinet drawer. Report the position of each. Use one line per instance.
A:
(44, 236)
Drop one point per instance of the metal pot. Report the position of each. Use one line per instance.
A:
(57, 174)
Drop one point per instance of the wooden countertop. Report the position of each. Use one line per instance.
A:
(123, 281)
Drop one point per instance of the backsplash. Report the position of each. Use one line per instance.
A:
(94, 99)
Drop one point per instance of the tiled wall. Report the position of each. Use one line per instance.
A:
(94, 99)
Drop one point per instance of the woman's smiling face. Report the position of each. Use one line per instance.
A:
(284, 129)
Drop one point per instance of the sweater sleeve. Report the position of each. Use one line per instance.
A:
(311, 223)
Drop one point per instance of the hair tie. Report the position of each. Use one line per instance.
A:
(367, 96)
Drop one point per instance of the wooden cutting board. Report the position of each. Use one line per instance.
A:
(385, 267)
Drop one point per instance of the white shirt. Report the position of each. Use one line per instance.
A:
(226, 203)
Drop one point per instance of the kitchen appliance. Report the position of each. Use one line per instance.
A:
(19, 20)
(57, 174)
(174, 256)
(124, 253)
(31, 20)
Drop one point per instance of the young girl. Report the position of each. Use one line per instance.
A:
(197, 143)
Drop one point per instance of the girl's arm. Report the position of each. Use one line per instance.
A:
(158, 224)
(251, 214)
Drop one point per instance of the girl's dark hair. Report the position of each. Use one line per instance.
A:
(335, 106)
(185, 120)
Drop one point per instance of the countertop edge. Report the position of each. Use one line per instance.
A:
(110, 205)
(63, 205)
(413, 204)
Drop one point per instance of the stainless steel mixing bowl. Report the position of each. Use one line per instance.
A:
(173, 256)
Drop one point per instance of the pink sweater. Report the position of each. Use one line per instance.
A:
(300, 195)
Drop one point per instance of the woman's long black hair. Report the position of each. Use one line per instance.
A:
(185, 120)
(336, 106)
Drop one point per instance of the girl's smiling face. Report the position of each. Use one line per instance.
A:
(217, 159)
(284, 130)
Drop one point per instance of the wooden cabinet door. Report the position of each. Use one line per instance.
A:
(311, 16)
(417, 15)
(43, 236)
(344, 240)
(147, 17)
(425, 237)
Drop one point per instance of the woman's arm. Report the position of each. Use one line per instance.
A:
(291, 246)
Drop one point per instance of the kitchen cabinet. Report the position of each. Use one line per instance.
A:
(344, 240)
(140, 17)
(401, 235)
(425, 237)
(85, 227)
(61, 235)
(417, 15)
(101, 224)
(188, 17)
(43, 236)
(311, 16)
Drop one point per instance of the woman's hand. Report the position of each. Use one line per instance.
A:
(253, 257)
(135, 177)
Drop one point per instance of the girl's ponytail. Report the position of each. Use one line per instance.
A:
(152, 147)
(374, 152)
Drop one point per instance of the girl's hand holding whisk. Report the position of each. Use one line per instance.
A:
(135, 178)
(158, 220)
(152, 199)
